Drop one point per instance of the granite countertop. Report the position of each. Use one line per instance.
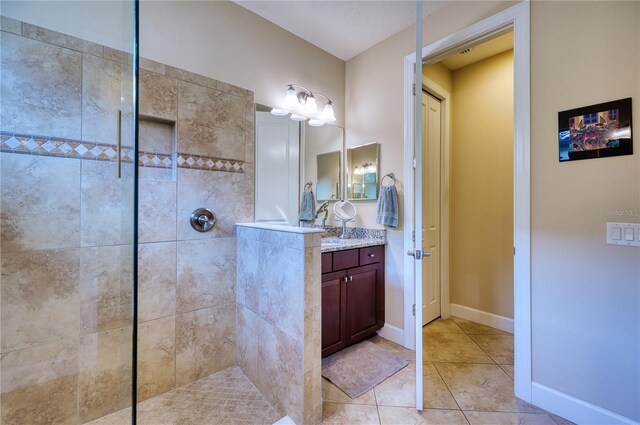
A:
(359, 237)
(335, 244)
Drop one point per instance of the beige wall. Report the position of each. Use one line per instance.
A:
(109, 23)
(439, 74)
(225, 41)
(585, 294)
(218, 39)
(481, 193)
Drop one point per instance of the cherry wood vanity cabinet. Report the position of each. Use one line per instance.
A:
(352, 296)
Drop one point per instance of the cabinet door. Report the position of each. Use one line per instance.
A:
(334, 329)
(364, 286)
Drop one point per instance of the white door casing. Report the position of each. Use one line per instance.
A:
(277, 175)
(432, 142)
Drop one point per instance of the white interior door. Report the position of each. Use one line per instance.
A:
(432, 142)
(277, 169)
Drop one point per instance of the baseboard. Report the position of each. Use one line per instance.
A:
(392, 333)
(482, 317)
(574, 409)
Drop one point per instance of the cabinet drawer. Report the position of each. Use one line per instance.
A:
(327, 262)
(371, 254)
(345, 259)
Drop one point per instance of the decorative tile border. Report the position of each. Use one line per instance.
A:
(65, 148)
(155, 160)
(198, 162)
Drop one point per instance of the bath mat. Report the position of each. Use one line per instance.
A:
(357, 369)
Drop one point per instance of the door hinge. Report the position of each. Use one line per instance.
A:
(414, 163)
(414, 309)
(413, 235)
(414, 89)
(514, 250)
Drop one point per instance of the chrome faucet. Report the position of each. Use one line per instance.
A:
(323, 208)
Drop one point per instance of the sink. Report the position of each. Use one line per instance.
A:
(332, 241)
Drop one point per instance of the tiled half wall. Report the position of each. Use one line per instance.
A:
(66, 228)
(279, 319)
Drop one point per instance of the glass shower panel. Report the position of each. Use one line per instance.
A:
(67, 207)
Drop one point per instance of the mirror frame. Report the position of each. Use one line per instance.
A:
(348, 176)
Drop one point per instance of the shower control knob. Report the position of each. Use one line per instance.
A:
(203, 219)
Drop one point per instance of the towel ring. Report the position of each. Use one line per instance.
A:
(391, 176)
(308, 186)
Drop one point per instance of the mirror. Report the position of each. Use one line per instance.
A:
(288, 154)
(323, 160)
(344, 210)
(328, 176)
(362, 172)
(277, 163)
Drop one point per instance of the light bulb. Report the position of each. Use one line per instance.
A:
(316, 123)
(279, 112)
(291, 99)
(310, 107)
(328, 115)
(298, 117)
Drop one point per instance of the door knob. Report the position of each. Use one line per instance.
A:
(419, 254)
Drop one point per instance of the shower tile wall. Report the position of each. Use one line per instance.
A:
(279, 322)
(66, 226)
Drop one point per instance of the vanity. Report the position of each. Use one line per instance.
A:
(352, 292)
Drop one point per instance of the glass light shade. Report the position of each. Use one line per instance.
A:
(316, 123)
(310, 107)
(279, 112)
(291, 98)
(328, 114)
(298, 117)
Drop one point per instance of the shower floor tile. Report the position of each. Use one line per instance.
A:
(225, 397)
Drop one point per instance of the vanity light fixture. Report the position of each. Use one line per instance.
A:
(310, 106)
(279, 112)
(301, 103)
(328, 114)
(291, 98)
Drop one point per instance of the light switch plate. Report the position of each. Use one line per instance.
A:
(626, 234)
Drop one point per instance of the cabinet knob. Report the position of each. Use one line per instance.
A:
(371, 255)
(346, 279)
(350, 278)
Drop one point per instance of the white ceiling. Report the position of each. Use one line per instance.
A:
(482, 51)
(343, 28)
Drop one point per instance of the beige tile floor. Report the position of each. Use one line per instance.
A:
(468, 379)
(226, 397)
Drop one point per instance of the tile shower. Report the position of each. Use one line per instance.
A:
(66, 235)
